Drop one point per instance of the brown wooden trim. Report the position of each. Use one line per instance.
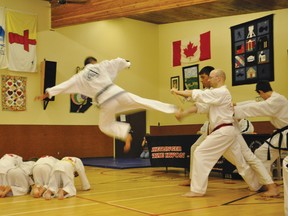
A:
(56, 140)
(264, 127)
(96, 10)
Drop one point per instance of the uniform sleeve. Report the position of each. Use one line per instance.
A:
(202, 108)
(66, 87)
(114, 66)
(79, 167)
(255, 109)
(208, 96)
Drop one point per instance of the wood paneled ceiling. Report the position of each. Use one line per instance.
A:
(154, 11)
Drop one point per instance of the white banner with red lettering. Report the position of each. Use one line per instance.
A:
(22, 30)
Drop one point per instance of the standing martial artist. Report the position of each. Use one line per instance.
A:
(223, 133)
(7, 162)
(96, 81)
(42, 170)
(255, 178)
(274, 106)
(19, 180)
(204, 79)
(61, 183)
(223, 138)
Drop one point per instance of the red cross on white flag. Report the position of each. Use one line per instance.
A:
(22, 41)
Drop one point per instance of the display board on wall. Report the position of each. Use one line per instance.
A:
(252, 51)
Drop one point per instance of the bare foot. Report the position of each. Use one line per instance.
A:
(272, 191)
(61, 194)
(48, 195)
(192, 194)
(128, 143)
(35, 192)
(185, 183)
(6, 191)
(41, 190)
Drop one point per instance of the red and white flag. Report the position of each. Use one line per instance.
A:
(22, 30)
(192, 50)
(3, 56)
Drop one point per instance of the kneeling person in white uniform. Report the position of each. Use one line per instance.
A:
(61, 183)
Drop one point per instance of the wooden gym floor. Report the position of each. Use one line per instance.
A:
(148, 191)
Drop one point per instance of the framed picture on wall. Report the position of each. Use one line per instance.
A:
(190, 77)
(252, 51)
(174, 82)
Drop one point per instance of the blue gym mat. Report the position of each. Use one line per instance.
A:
(116, 163)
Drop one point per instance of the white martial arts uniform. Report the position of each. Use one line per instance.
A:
(63, 176)
(96, 81)
(42, 170)
(260, 176)
(246, 127)
(276, 107)
(20, 179)
(285, 183)
(232, 154)
(7, 162)
(220, 141)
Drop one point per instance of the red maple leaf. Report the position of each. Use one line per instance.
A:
(190, 50)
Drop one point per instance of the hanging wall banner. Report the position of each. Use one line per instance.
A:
(194, 49)
(13, 93)
(22, 41)
(3, 56)
(252, 51)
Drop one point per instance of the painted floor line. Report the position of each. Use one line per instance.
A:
(50, 209)
(131, 189)
(118, 206)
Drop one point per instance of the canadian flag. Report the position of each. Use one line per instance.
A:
(192, 50)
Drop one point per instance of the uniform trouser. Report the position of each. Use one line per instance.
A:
(3, 179)
(18, 181)
(262, 151)
(193, 148)
(60, 180)
(41, 174)
(122, 103)
(255, 163)
(207, 154)
(285, 183)
(241, 156)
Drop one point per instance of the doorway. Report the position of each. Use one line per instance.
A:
(138, 126)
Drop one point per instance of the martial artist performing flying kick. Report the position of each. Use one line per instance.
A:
(96, 81)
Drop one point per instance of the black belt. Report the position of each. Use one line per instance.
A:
(277, 131)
